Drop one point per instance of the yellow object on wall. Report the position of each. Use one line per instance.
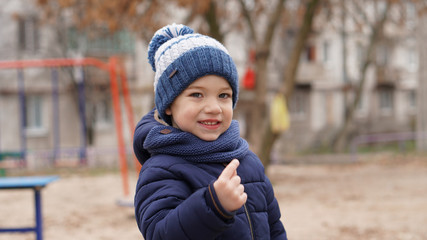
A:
(279, 116)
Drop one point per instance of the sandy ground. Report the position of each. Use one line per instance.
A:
(381, 199)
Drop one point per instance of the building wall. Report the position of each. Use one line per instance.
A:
(41, 141)
(317, 110)
(330, 91)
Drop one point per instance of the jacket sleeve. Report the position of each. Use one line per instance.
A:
(277, 231)
(166, 208)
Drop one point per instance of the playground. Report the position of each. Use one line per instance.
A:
(378, 197)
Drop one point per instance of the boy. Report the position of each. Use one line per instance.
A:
(199, 179)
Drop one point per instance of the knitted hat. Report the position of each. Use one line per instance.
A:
(179, 57)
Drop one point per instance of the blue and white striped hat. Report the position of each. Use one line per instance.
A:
(179, 56)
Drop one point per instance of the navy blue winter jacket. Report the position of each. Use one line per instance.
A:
(175, 198)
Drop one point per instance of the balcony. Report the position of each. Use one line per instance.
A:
(309, 72)
(387, 75)
(100, 43)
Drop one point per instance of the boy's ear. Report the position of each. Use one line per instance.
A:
(168, 111)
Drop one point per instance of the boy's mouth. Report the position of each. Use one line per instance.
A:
(209, 123)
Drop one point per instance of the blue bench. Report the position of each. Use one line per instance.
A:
(36, 183)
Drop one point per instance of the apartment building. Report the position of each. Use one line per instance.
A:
(328, 75)
(330, 72)
(60, 114)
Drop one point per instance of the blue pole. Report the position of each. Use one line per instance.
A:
(21, 89)
(38, 214)
(55, 111)
(82, 112)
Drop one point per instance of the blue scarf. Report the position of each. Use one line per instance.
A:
(172, 141)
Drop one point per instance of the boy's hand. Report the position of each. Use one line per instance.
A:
(228, 188)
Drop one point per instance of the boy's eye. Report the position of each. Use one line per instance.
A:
(196, 95)
(224, 95)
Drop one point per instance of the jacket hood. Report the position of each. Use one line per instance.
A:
(142, 129)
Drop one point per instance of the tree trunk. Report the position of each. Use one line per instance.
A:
(340, 142)
(212, 20)
(269, 138)
(258, 113)
(300, 42)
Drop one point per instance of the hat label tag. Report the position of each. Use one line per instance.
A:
(173, 73)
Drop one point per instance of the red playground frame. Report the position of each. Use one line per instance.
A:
(117, 73)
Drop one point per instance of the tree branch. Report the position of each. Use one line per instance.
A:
(247, 16)
(292, 66)
(272, 23)
(212, 20)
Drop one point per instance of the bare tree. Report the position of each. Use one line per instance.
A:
(376, 22)
(260, 19)
(376, 29)
(270, 137)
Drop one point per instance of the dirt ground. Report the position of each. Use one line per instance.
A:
(383, 198)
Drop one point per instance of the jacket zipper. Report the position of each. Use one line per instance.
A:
(249, 220)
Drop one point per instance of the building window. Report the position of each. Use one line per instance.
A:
(383, 55)
(103, 113)
(412, 60)
(34, 107)
(412, 99)
(411, 15)
(361, 108)
(360, 54)
(386, 100)
(28, 34)
(298, 104)
(100, 40)
(311, 53)
(326, 52)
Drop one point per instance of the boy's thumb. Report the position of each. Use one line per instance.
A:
(231, 168)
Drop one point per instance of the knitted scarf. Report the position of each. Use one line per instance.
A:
(172, 141)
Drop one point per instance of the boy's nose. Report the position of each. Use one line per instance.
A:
(212, 106)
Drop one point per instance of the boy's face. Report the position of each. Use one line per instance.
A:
(205, 108)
